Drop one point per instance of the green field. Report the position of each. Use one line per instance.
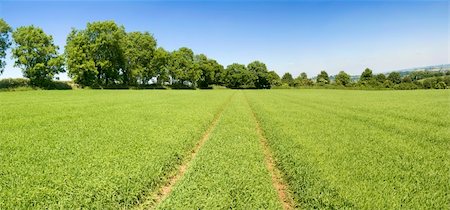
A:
(111, 149)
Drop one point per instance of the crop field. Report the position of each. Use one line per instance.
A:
(221, 149)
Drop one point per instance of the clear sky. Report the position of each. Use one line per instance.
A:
(289, 36)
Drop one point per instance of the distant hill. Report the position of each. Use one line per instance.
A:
(441, 68)
(404, 72)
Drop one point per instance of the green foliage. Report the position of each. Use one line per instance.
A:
(182, 68)
(260, 71)
(274, 78)
(5, 30)
(436, 82)
(302, 80)
(323, 78)
(36, 55)
(394, 77)
(160, 63)
(238, 76)
(380, 78)
(388, 84)
(25, 84)
(287, 79)
(14, 83)
(210, 69)
(407, 79)
(95, 56)
(139, 52)
(366, 75)
(418, 75)
(405, 86)
(343, 79)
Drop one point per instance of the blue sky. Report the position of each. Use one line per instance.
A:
(289, 36)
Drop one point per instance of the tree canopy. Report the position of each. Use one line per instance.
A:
(343, 79)
(5, 30)
(95, 56)
(36, 55)
(323, 78)
(287, 79)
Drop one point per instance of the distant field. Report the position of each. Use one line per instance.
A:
(112, 149)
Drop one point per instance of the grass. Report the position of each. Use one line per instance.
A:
(95, 149)
(113, 149)
(360, 149)
(229, 171)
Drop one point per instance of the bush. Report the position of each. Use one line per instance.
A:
(24, 84)
(405, 86)
(14, 83)
(59, 85)
(440, 85)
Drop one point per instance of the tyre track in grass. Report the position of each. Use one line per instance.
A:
(162, 192)
(278, 183)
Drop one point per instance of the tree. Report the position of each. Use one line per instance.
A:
(323, 78)
(440, 85)
(182, 68)
(237, 76)
(209, 68)
(95, 56)
(303, 76)
(407, 79)
(260, 71)
(139, 52)
(302, 80)
(274, 79)
(287, 79)
(366, 76)
(394, 77)
(36, 55)
(5, 29)
(343, 79)
(380, 78)
(160, 66)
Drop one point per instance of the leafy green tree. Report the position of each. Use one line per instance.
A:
(303, 76)
(323, 78)
(366, 76)
(36, 55)
(209, 68)
(159, 66)
(407, 79)
(95, 56)
(287, 79)
(274, 79)
(302, 80)
(446, 80)
(388, 84)
(182, 68)
(260, 71)
(237, 76)
(5, 30)
(440, 85)
(380, 78)
(394, 77)
(343, 79)
(427, 83)
(139, 52)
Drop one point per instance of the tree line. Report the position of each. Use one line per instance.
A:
(104, 55)
(368, 80)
